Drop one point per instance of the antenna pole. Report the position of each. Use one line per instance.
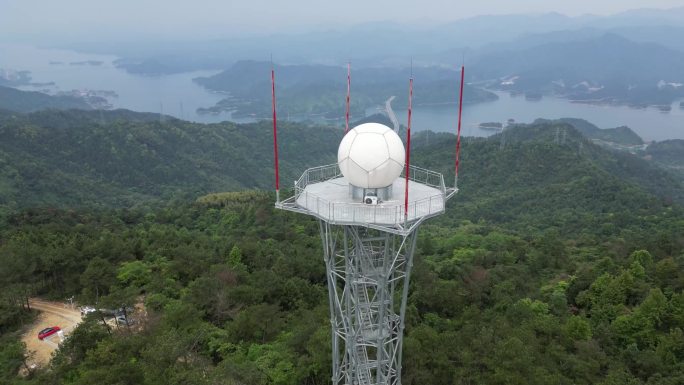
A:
(346, 121)
(458, 135)
(275, 135)
(408, 147)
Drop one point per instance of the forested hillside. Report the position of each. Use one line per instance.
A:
(26, 101)
(548, 165)
(558, 261)
(235, 293)
(120, 158)
(668, 153)
(75, 158)
(621, 135)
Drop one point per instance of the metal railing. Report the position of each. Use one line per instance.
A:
(332, 171)
(426, 177)
(385, 214)
(316, 175)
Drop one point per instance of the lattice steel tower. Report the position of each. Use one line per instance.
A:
(369, 230)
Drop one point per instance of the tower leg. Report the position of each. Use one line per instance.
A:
(368, 275)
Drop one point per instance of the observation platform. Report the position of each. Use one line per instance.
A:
(324, 193)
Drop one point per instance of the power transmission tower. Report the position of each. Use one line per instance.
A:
(565, 132)
(557, 140)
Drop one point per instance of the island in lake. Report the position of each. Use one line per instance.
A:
(14, 78)
(97, 99)
(493, 126)
(87, 63)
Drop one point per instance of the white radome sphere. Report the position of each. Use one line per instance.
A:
(371, 155)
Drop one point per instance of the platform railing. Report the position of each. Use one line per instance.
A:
(332, 171)
(426, 177)
(316, 175)
(345, 212)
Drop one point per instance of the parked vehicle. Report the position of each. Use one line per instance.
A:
(120, 310)
(120, 319)
(85, 310)
(47, 332)
(107, 312)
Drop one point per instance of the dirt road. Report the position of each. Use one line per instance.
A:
(51, 314)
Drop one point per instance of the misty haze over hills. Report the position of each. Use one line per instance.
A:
(632, 57)
(391, 43)
(607, 67)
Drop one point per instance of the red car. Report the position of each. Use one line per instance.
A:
(47, 332)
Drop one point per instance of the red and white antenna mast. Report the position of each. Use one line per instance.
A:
(408, 145)
(346, 114)
(458, 134)
(275, 134)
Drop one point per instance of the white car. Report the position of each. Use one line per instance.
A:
(85, 310)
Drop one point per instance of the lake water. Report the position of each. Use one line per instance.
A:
(175, 95)
(649, 123)
(179, 96)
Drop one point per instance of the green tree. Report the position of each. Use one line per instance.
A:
(96, 279)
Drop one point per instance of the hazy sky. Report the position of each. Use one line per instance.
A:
(216, 18)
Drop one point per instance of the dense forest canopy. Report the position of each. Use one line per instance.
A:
(71, 158)
(668, 153)
(559, 261)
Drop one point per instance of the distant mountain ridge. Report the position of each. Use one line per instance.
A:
(376, 43)
(607, 69)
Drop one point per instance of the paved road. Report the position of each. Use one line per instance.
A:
(390, 113)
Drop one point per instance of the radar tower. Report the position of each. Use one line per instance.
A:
(369, 226)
